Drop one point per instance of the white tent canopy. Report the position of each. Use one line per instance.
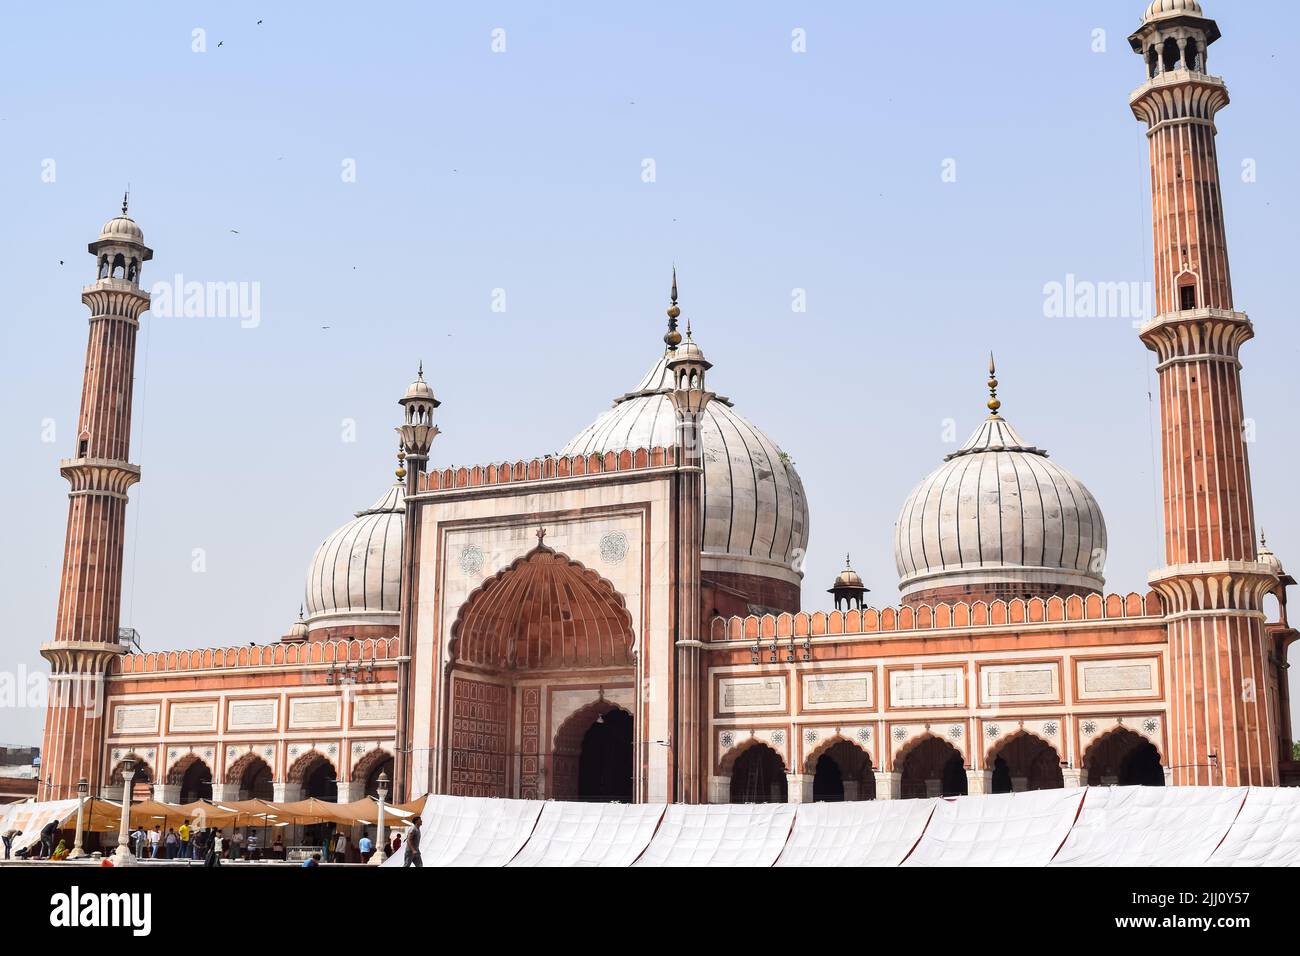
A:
(1008, 829)
(1093, 826)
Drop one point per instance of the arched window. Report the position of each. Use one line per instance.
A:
(1171, 55)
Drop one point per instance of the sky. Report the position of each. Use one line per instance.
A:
(500, 190)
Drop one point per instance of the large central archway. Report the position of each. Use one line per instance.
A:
(527, 646)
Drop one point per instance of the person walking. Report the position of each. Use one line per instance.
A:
(254, 853)
(340, 847)
(47, 838)
(187, 851)
(171, 844)
(138, 840)
(366, 847)
(212, 856)
(155, 842)
(413, 845)
(237, 845)
(8, 837)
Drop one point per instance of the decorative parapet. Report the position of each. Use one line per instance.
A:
(960, 616)
(258, 655)
(548, 468)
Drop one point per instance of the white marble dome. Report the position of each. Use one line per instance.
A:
(999, 517)
(755, 513)
(355, 576)
(1162, 9)
(122, 229)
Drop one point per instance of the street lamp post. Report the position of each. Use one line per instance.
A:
(83, 787)
(123, 855)
(381, 845)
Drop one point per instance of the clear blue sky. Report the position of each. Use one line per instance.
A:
(522, 171)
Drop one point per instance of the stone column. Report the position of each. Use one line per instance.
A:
(1074, 777)
(799, 788)
(351, 790)
(719, 789)
(285, 792)
(167, 792)
(977, 782)
(889, 784)
(222, 792)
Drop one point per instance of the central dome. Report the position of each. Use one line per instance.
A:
(999, 520)
(355, 576)
(755, 514)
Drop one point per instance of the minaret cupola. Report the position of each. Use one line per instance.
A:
(120, 250)
(418, 431)
(1174, 35)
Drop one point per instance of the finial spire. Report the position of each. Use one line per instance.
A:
(994, 403)
(673, 338)
(126, 198)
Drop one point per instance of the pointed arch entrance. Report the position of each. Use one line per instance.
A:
(841, 770)
(252, 775)
(193, 777)
(757, 774)
(542, 638)
(931, 767)
(1123, 758)
(593, 755)
(1024, 762)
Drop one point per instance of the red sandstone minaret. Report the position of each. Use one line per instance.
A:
(690, 397)
(86, 630)
(1223, 721)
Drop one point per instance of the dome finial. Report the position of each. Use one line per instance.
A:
(125, 197)
(401, 464)
(673, 338)
(994, 403)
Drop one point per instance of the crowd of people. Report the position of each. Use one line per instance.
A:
(212, 845)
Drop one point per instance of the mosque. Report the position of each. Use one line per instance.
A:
(625, 620)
